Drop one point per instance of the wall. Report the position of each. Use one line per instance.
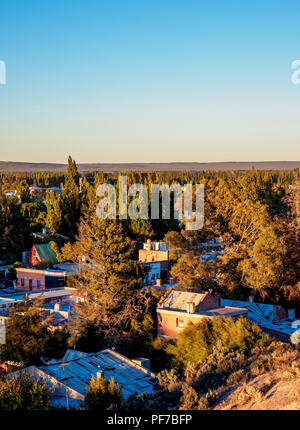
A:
(33, 257)
(166, 322)
(149, 256)
(34, 275)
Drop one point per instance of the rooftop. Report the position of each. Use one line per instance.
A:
(51, 293)
(263, 315)
(177, 300)
(76, 369)
(46, 253)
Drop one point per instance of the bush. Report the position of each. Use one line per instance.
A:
(191, 401)
(246, 393)
(23, 393)
(197, 341)
(102, 394)
(166, 377)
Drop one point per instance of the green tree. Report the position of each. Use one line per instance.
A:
(29, 335)
(109, 282)
(197, 341)
(23, 191)
(102, 394)
(23, 393)
(193, 275)
(71, 200)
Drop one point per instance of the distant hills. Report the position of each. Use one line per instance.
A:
(14, 166)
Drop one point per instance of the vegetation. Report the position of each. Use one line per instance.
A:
(256, 214)
(23, 393)
(102, 394)
(29, 335)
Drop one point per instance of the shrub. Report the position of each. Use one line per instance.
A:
(215, 369)
(23, 393)
(167, 377)
(197, 341)
(191, 401)
(246, 393)
(102, 394)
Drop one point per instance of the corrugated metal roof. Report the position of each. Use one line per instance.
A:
(262, 314)
(177, 300)
(77, 373)
(46, 253)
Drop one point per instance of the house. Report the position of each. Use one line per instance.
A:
(47, 234)
(153, 272)
(30, 279)
(155, 252)
(42, 191)
(214, 243)
(272, 319)
(38, 254)
(58, 295)
(177, 309)
(60, 313)
(68, 377)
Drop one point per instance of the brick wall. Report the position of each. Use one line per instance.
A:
(33, 276)
(170, 324)
(208, 302)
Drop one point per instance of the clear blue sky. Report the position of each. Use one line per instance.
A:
(159, 80)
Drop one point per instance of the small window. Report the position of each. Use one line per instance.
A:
(179, 323)
(30, 284)
(39, 283)
(22, 282)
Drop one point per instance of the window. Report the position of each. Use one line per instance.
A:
(38, 283)
(30, 284)
(179, 323)
(22, 282)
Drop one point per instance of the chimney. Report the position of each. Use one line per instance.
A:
(218, 299)
(45, 230)
(190, 307)
(277, 316)
(291, 314)
(148, 245)
(158, 282)
(143, 362)
(251, 299)
(100, 374)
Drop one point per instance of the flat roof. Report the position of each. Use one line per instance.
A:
(34, 294)
(224, 311)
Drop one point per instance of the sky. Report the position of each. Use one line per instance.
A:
(149, 81)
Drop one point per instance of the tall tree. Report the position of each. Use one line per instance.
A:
(71, 200)
(110, 281)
